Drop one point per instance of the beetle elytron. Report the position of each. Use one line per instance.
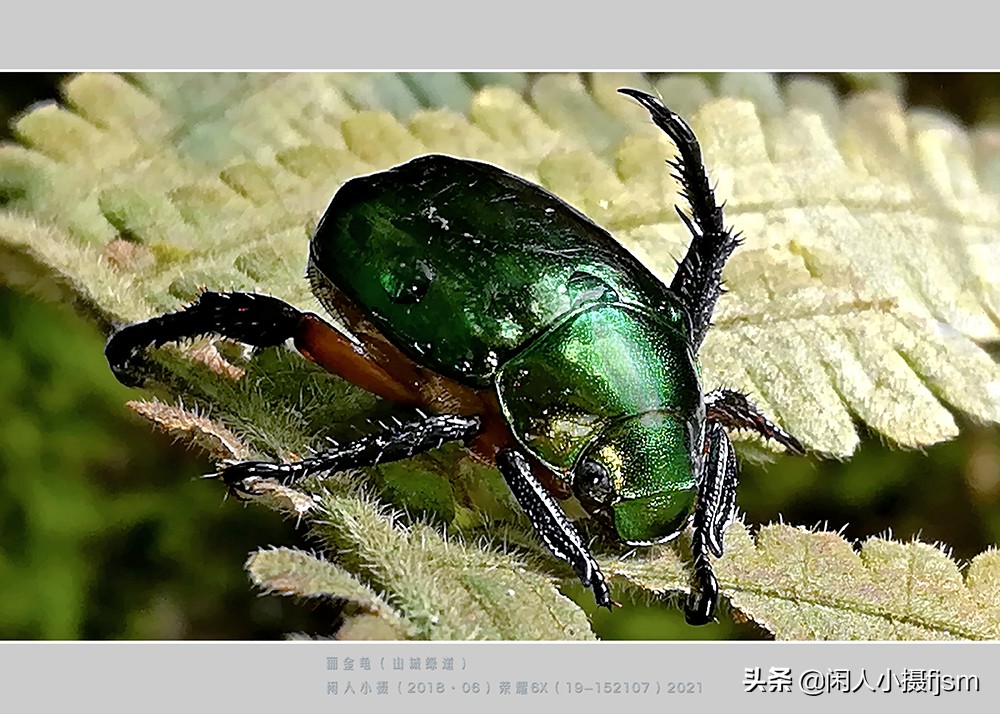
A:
(525, 331)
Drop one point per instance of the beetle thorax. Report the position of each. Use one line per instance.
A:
(601, 365)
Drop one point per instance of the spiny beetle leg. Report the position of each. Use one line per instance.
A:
(393, 444)
(257, 320)
(698, 280)
(717, 488)
(734, 411)
(713, 513)
(552, 524)
(262, 321)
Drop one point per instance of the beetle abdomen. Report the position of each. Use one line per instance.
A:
(598, 366)
(460, 264)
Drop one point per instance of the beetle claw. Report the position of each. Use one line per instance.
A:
(239, 478)
(699, 609)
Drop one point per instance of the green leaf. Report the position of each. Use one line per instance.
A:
(445, 587)
(813, 585)
(870, 271)
(291, 572)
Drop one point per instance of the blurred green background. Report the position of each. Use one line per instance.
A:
(107, 531)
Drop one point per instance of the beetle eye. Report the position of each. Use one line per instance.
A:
(592, 481)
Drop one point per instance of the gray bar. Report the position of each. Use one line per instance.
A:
(517, 34)
(382, 677)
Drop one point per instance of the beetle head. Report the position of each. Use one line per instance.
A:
(640, 474)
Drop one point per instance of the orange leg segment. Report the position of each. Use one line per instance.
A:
(337, 353)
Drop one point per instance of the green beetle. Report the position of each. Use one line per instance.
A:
(524, 330)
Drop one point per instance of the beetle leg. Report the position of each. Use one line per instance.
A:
(258, 320)
(698, 280)
(552, 524)
(717, 488)
(393, 444)
(713, 513)
(734, 411)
